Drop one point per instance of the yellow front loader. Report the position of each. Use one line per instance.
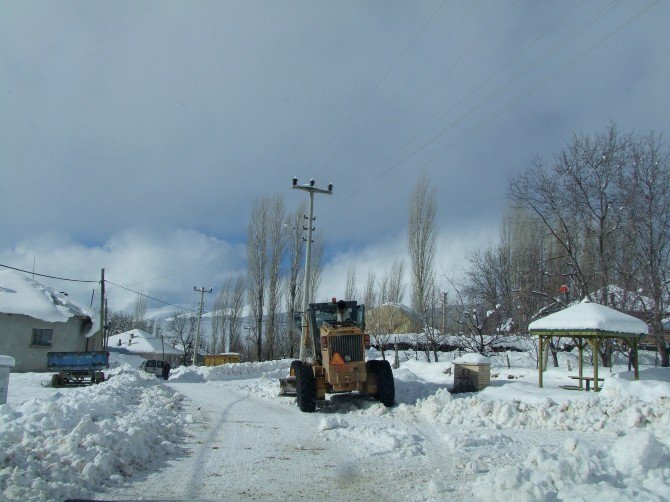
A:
(336, 332)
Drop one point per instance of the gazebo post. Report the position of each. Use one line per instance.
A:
(595, 364)
(539, 362)
(581, 361)
(635, 354)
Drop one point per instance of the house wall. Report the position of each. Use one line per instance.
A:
(16, 332)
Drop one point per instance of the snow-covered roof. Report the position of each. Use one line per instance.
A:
(141, 342)
(19, 294)
(588, 316)
(472, 358)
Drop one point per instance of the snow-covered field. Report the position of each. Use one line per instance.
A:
(224, 433)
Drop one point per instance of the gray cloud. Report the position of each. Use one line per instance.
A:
(123, 117)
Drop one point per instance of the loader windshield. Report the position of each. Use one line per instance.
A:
(327, 311)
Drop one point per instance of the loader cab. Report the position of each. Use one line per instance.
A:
(318, 313)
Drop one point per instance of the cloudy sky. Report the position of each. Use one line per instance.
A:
(135, 135)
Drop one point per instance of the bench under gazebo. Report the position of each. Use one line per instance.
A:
(589, 323)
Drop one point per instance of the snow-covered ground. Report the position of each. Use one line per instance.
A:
(224, 433)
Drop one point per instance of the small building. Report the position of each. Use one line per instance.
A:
(35, 319)
(472, 372)
(219, 359)
(146, 345)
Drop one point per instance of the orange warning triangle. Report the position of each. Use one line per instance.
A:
(337, 359)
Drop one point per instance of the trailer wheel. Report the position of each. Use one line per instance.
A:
(99, 377)
(305, 384)
(55, 381)
(385, 384)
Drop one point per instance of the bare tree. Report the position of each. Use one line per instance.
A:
(181, 333)
(235, 305)
(395, 280)
(432, 325)
(257, 266)
(277, 242)
(119, 322)
(316, 268)
(350, 286)
(479, 326)
(577, 201)
(296, 250)
(140, 314)
(370, 291)
(422, 240)
(646, 185)
(382, 322)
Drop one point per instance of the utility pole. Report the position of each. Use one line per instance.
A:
(311, 189)
(202, 291)
(102, 310)
(444, 314)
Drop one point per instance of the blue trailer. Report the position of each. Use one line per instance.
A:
(77, 368)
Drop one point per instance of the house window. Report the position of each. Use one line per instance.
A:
(42, 337)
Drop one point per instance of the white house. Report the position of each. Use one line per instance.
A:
(145, 345)
(34, 320)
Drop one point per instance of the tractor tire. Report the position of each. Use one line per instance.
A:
(305, 385)
(294, 367)
(385, 384)
(55, 381)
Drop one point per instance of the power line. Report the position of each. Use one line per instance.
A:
(451, 33)
(176, 273)
(471, 93)
(507, 106)
(379, 83)
(150, 297)
(48, 276)
(479, 105)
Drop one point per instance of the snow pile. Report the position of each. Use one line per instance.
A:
(586, 414)
(72, 444)
(654, 383)
(634, 468)
(230, 371)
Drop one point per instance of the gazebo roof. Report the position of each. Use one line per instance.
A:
(586, 319)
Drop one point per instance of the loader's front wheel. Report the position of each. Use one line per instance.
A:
(385, 384)
(305, 384)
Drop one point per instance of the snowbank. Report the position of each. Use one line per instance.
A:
(230, 371)
(71, 445)
(634, 468)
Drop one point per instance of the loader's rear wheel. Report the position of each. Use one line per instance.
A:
(305, 384)
(385, 384)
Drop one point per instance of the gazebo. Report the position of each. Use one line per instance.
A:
(589, 323)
